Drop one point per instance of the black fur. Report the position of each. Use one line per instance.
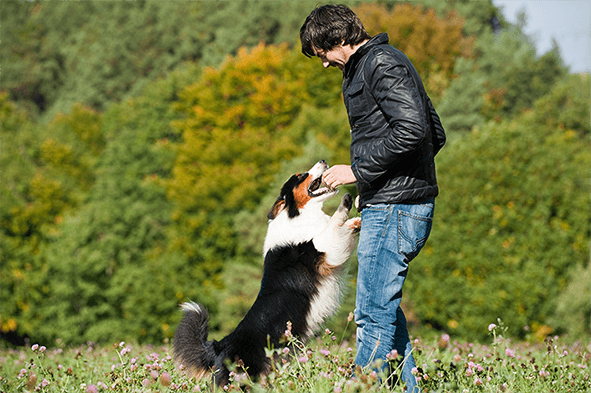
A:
(290, 282)
(287, 196)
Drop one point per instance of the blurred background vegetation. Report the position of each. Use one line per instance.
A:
(144, 142)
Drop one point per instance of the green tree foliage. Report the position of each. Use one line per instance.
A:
(477, 15)
(433, 44)
(118, 275)
(58, 53)
(42, 180)
(20, 229)
(234, 138)
(510, 225)
(154, 190)
(504, 78)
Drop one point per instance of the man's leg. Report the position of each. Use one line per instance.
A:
(391, 236)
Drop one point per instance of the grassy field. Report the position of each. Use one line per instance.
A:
(324, 365)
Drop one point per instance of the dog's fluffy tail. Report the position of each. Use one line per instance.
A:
(191, 348)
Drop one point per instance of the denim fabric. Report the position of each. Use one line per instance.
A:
(391, 236)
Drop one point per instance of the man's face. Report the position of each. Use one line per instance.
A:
(336, 57)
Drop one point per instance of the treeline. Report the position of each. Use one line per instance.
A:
(144, 142)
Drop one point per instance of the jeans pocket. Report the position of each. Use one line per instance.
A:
(413, 230)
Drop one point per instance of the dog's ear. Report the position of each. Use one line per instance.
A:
(277, 208)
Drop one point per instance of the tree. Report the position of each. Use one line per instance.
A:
(42, 181)
(433, 44)
(490, 88)
(57, 54)
(510, 226)
(118, 276)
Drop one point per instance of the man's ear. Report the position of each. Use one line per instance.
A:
(277, 208)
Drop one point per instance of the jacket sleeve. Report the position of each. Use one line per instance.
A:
(398, 97)
(438, 136)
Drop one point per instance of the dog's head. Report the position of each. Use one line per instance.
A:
(301, 189)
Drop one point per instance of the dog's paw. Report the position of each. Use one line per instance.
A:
(347, 201)
(354, 224)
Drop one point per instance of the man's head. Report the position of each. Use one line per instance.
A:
(331, 27)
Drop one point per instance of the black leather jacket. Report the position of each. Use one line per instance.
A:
(395, 130)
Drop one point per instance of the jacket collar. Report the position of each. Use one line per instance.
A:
(376, 40)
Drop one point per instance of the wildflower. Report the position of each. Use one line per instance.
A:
(349, 349)
(350, 317)
(121, 344)
(327, 331)
(443, 341)
(44, 383)
(22, 373)
(491, 327)
(478, 382)
(35, 347)
(457, 358)
(285, 351)
(32, 381)
(325, 352)
(154, 374)
(392, 355)
(91, 389)
(544, 373)
(42, 348)
(165, 379)
(125, 350)
(303, 359)
(338, 389)
(509, 352)
(288, 331)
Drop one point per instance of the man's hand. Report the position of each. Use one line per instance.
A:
(338, 175)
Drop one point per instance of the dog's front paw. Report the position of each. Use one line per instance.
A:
(354, 224)
(347, 201)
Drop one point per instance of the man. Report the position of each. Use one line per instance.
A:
(396, 134)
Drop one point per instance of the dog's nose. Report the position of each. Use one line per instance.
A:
(322, 162)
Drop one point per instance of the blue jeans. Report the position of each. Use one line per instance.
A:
(391, 236)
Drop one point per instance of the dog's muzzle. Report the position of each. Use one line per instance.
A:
(315, 189)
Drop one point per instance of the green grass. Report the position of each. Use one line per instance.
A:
(324, 365)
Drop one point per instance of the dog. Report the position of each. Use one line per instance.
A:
(304, 252)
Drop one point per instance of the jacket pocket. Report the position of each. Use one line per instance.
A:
(357, 104)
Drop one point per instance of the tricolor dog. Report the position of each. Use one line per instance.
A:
(304, 251)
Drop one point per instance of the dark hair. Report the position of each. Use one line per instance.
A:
(330, 25)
